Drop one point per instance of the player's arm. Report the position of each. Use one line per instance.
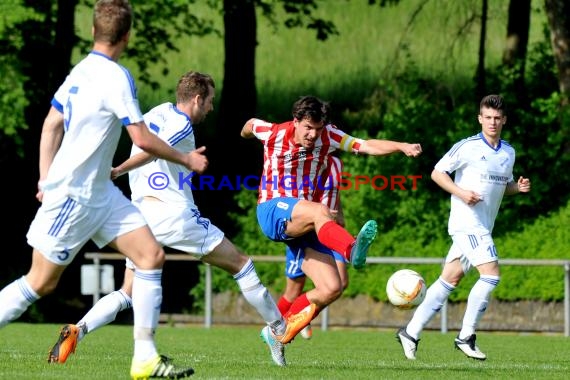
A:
(50, 141)
(522, 185)
(247, 129)
(133, 162)
(446, 183)
(376, 147)
(150, 143)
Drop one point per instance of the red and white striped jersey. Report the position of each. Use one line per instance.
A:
(290, 170)
(330, 195)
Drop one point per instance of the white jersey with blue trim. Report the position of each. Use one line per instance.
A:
(162, 179)
(483, 169)
(97, 97)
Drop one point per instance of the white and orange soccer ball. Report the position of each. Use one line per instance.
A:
(406, 289)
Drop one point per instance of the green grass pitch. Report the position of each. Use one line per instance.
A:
(237, 352)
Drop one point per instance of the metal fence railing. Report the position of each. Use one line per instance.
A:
(97, 257)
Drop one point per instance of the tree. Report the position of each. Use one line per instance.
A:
(514, 55)
(518, 25)
(481, 73)
(558, 14)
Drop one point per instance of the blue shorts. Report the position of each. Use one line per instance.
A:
(273, 216)
(294, 260)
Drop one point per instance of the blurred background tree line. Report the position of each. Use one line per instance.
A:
(400, 98)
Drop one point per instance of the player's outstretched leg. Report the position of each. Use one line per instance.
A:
(276, 348)
(364, 238)
(159, 367)
(65, 344)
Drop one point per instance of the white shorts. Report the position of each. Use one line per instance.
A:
(60, 229)
(180, 227)
(472, 250)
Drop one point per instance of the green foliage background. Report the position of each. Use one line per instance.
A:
(387, 78)
(417, 107)
(12, 99)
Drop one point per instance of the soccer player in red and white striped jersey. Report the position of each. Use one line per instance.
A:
(328, 195)
(297, 155)
(294, 170)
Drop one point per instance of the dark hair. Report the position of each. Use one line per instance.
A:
(191, 84)
(493, 101)
(112, 20)
(311, 108)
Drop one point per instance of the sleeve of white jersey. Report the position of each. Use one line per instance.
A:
(451, 161)
(59, 97)
(123, 97)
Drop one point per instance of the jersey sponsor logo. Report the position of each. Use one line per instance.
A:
(295, 156)
(496, 179)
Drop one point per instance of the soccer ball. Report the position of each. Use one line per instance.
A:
(406, 289)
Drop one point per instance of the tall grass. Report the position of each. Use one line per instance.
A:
(437, 38)
(238, 353)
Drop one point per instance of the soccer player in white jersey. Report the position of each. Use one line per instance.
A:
(483, 166)
(329, 195)
(80, 202)
(168, 206)
(297, 155)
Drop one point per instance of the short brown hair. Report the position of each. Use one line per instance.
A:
(191, 84)
(493, 101)
(311, 108)
(112, 20)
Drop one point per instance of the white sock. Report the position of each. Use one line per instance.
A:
(436, 295)
(257, 295)
(147, 299)
(104, 312)
(477, 304)
(15, 298)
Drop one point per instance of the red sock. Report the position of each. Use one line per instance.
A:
(284, 305)
(299, 304)
(333, 236)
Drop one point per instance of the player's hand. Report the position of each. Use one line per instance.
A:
(197, 161)
(523, 185)
(412, 150)
(471, 198)
(115, 174)
(40, 192)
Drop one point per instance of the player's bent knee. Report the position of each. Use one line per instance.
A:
(330, 295)
(150, 259)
